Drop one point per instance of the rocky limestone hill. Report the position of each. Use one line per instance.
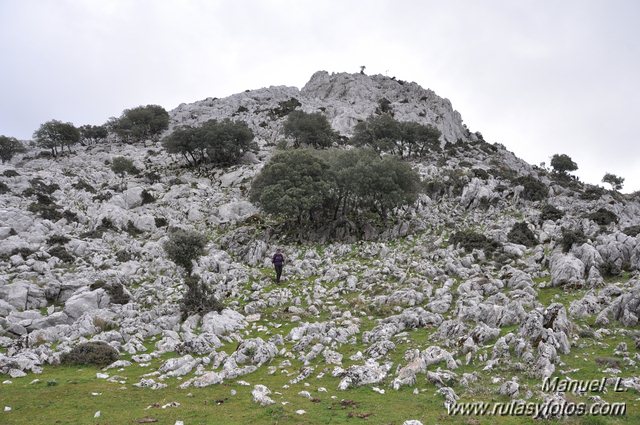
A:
(447, 302)
(344, 98)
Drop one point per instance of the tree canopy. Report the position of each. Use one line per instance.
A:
(615, 181)
(216, 142)
(292, 184)
(93, 133)
(55, 134)
(310, 129)
(383, 133)
(320, 186)
(562, 163)
(140, 123)
(9, 146)
(121, 166)
(184, 246)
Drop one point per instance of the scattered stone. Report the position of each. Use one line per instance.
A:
(260, 395)
(369, 373)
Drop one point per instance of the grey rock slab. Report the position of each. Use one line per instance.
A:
(83, 302)
(260, 394)
(566, 270)
(223, 323)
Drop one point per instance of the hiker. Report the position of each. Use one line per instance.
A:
(278, 262)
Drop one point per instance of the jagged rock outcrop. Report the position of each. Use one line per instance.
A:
(344, 98)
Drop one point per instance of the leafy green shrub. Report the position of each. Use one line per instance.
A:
(152, 177)
(435, 189)
(39, 186)
(9, 146)
(470, 240)
(70, 216)
(603, 217)
(384, 107)
(549, 212)
(44, 199)
(117, 294)
(10, 173)
(592, 193)
(632, 231)
(284, 108)
(96, 353)
(609, 269)
(147, 198)
(121, 166)
(521, 234)
(199, 298)
(480, 173)
(160, 221)
(184, 246)
(24, 252)
(534, 189)
(505, 173)
(44, 155)
(105, 225)
(571, 237)
(309, 129)
(83, 185)
(57, 240)
(132, 230)
(115, 290)
(62, 254)
(103, 196)
(45, 209)
(123, 256)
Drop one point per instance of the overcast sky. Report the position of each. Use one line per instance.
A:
(540, 77)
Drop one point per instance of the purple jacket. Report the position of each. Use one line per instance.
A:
(278, 259)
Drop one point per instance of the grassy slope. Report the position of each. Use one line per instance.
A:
(70, 400)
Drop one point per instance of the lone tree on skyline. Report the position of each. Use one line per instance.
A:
(615, 181)
(56, 134)
(140, 123)
(562, 163)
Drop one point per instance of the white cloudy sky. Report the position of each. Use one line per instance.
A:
(541, 77)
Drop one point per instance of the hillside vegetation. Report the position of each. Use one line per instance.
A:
(425, 267)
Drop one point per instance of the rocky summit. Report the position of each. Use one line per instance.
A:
(500, 275)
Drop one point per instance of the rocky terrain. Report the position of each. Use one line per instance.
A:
(405, 317)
